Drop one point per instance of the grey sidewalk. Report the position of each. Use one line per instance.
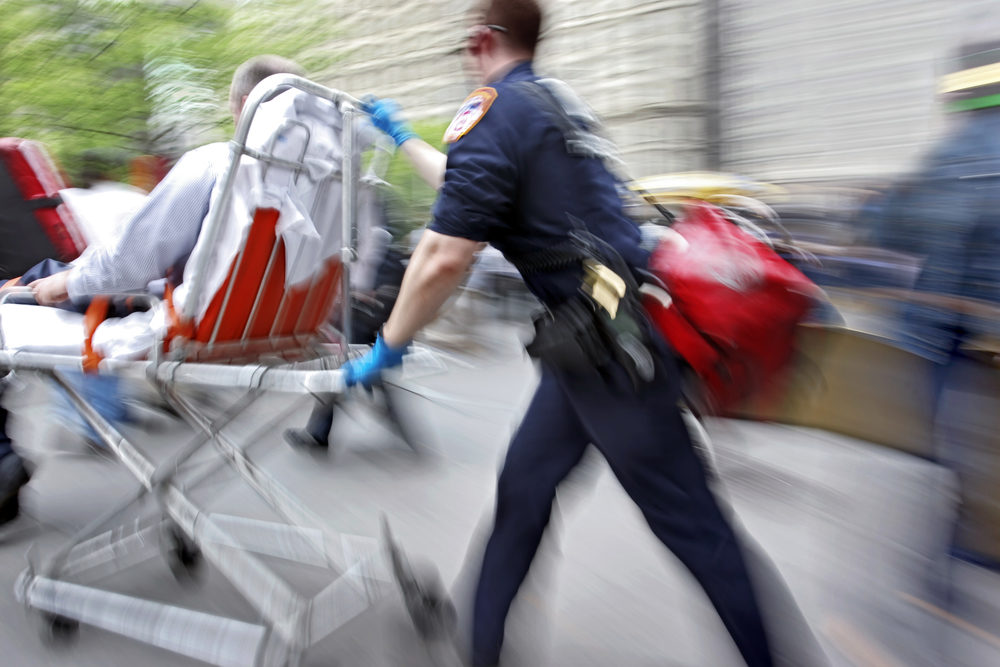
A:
(857, 532)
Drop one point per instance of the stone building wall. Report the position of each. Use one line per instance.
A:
(811, 91)
(637, 63)
(821, 91)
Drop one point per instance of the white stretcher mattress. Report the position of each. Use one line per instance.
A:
(38, 329)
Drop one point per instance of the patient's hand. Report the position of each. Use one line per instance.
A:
(52, 290)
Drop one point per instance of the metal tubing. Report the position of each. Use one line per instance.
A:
(280, 540)
(63, 560)
(339, 602)
(230, 288)
(132, 458)
(257, 376)
(42, 361)
(122, 550)
(7, 293)
(59, 559)
(169, 467)
(220, 462)
(323, 186)
(349, 208)
(253, 377)
(270, 595)
(269, 489)
(213, 639)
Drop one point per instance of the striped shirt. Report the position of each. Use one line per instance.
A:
(159, 238)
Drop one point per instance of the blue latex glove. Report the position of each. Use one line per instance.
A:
(387, 116)
(368, 369)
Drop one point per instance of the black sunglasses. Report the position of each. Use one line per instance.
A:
(471, 33)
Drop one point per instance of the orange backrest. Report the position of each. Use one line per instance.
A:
(254, 309)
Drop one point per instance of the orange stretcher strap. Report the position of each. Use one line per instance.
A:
(96, 313)
(176, 327)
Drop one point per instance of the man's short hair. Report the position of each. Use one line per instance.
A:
(255, 70)
(521, 18)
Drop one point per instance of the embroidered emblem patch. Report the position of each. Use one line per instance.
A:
(471, 112)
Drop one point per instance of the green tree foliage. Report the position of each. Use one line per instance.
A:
(410, 199)
(135, 76)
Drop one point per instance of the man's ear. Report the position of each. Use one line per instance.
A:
(243, 101)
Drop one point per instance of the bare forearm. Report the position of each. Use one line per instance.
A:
(427, 160)
(436, 269)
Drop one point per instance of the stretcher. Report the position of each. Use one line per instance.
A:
(289, 197)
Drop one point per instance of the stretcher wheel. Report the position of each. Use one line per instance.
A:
(58, 631)
(182, 555)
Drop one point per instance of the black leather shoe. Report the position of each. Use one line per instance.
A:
(13, 475)
(303, 439)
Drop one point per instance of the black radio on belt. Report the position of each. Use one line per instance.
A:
(601, 323)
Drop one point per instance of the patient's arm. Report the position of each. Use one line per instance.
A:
(159, 236)
(50, 290)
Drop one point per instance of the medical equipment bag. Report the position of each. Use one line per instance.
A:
(34, 223)
(730, 307)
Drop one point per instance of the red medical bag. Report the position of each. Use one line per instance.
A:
(731, 307)
(34, 223)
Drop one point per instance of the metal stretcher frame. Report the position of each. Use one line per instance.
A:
(289, 622)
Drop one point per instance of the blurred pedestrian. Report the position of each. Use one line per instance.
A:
(374, 288)
(13, 473)
(948, 213)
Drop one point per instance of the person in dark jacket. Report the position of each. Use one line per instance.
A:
(512, 179)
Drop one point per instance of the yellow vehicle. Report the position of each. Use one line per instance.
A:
(711, 186)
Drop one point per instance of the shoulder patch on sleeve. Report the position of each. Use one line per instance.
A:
(471, 112)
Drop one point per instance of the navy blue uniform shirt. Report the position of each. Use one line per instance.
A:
(509, 181)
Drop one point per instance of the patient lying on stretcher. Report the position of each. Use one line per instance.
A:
(158, 240)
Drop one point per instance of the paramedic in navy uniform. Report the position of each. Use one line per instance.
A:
(509, 181)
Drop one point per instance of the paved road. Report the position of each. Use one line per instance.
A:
(856, 531)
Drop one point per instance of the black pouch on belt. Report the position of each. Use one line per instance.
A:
(567, 339)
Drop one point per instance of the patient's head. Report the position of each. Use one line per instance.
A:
(252, 72)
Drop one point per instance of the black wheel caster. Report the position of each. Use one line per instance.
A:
(182, 555)
(58, 631)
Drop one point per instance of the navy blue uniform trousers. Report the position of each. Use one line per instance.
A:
(644, 439)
